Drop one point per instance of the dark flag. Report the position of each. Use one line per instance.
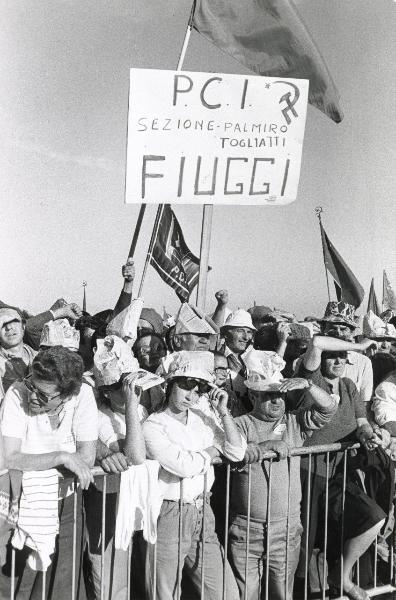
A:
(372, 301)
(269, 37)
(171, 257)
(347, 286)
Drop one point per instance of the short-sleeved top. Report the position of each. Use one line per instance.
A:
(14, 368)
(78, 422)
(112, 426)
(342, 426)
(384, 401)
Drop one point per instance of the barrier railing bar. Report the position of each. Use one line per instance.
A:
(12, 573)
(73, 589)
(288, 527)
(307, 528)
(326, 526)
(155, 572)
(103, 540)
(267, 549)
(375, 560)
(245, 595)
(179, 565)
(203, 537)
(43, 589)
(129, 568)
(342, 521)
(226, 523)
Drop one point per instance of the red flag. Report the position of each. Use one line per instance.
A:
(372, 301)
(348, 287)
(388, 295)
(171, 257)
(269, 37)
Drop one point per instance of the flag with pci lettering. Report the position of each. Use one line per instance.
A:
(347, 286)
(171, 257)
(269, 37)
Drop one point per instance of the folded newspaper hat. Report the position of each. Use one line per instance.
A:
(60, 333)
(263, 370)
(239, 318)
(112, 359)
(199, 365)
(375, 327)
(340, 312)
(190, 319)
(125, 323)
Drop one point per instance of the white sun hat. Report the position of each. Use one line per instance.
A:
(375, 327)
(240, 318)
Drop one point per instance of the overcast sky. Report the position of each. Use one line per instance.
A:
(64, 77)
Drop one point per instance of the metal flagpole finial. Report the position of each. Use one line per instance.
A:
(318, 211)
(84, 284)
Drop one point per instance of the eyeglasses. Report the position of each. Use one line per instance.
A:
(41, 396)
(189, 383)
(221, 370)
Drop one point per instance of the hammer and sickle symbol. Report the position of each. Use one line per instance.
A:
(290, 102)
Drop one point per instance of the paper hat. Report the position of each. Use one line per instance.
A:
(112, 359)
(340, 312)
(374, 327)
(239, 318)
(8, 314)
(263, 370)
(60, 333)
(126, 322)
(388, 315)
(199, 365)
(191, 319)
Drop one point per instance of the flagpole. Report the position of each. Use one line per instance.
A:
(84, 306)
(160, 206)
(318, 212)
(151, 245)
(204, 254)
(383, 290)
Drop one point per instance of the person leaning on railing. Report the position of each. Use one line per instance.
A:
(324, 363)
(270, 426)
(48, 421)
(185, 441)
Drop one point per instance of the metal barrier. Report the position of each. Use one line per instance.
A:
(376, 589)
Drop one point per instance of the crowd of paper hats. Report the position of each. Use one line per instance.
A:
(340, 312)
(60, 333)
(190, 319)
(112, 359)
(198, 364)
(374, 327)
(263, 370)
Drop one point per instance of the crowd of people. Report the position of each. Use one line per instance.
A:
(160, 404)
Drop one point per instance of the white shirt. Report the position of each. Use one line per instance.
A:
(180, 450)
(112, 426)
(384, 402)
(78, 422)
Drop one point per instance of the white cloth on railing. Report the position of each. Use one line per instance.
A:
(38, 522)
(139, 503)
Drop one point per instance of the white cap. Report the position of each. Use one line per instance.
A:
(375, 327)
(199, 364)
(112, 359)
(60, 333)
(240, 318)
(263, 369)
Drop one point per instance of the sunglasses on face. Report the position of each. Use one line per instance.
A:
(41, 396)
(189, 383)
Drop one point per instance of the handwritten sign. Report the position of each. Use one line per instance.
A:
(207, 138)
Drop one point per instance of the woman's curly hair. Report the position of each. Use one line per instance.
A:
(61, 366)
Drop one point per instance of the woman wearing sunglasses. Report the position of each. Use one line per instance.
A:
(185, 441)
(50, 420)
